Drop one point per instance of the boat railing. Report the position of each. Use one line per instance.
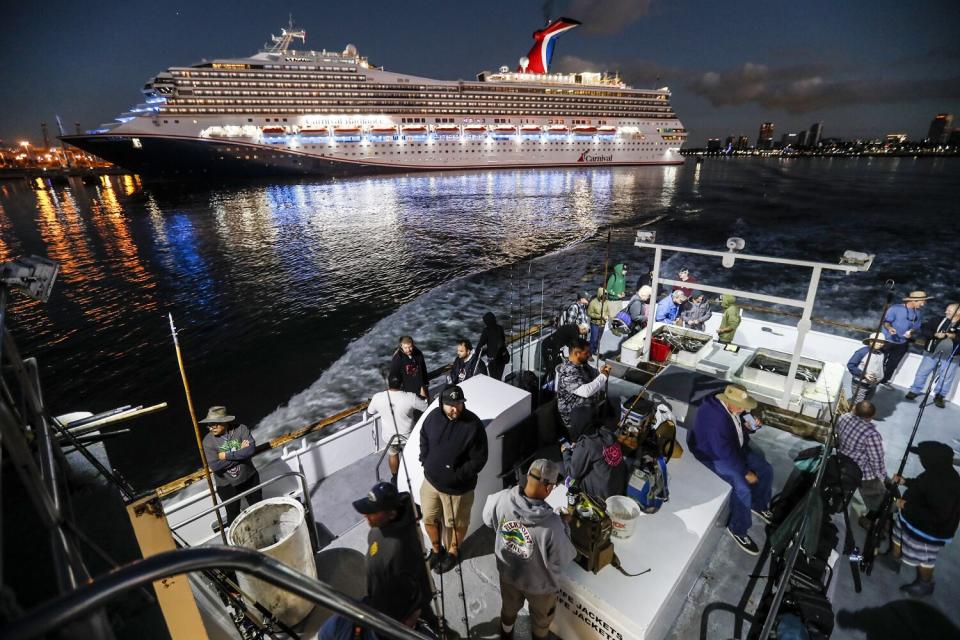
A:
(302, 491)
(91, 596)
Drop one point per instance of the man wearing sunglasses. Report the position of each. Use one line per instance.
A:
(532, 545)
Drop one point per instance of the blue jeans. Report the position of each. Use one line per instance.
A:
(595, 331)
(948, 371)
(745, 496)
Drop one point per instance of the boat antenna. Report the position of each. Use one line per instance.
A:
(196, 428)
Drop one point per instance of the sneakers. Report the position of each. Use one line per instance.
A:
(506, 635)
(918, 588)
(911, 395)
(764, 514)
(938, 400)
(435, 558)
(745, 542)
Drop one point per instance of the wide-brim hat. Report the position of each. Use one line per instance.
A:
(738, 397)
(217, 415)
(875, 338)
(916, 296)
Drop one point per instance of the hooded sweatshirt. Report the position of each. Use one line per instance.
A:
(932, 500)
(599, 309)
(731, 318)
(412, 370)
(597, 464)
(617, 282)
(494, 339)
(452, 452)
(393, 551)
(695, 314)
(531, 542)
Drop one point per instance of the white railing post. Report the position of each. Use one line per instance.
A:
(652, 307)
(803, 326)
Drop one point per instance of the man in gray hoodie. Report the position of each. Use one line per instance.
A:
(532, 545)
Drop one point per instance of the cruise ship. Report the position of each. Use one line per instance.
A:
(285, 111)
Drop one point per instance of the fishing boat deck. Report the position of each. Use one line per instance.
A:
(717, 605)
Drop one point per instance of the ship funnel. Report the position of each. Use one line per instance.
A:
(544, 42)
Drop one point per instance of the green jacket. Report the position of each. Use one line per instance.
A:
(731, 318)
(617, 282)
(597, 310)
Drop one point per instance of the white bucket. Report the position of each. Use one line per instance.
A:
(276, 527)
(624, 513)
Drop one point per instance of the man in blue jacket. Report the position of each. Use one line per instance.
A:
(719, 440)
(900, 325)
(668, 309)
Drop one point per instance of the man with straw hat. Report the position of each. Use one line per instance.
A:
(229, 449)
(899, 326)
(864, 383)
(719, 441)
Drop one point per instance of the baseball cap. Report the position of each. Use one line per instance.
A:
(546, 471)
(382, 497)
(452, 395)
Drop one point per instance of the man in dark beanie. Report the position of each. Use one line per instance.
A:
(929, 514)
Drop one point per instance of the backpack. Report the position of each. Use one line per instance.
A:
(648, 483)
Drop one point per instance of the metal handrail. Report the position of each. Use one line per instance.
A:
(92, 596)
(308, 506)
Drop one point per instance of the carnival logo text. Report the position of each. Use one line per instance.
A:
(586, 157)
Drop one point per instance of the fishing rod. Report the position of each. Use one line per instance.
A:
(417, 516)
(859, 382)
(881, 525)
(540, 350)
(196, 429)
(459, 570)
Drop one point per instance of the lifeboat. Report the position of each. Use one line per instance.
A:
(584, 130)
(382, 131)
(558, 130)
(607, 130)
(475, 129)
(415, 130)
(273, 131)
(530, 129)
(505, 130)
(346, 131)
(314, 132)
(446, 129)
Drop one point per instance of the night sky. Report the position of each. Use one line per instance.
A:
(863, 68)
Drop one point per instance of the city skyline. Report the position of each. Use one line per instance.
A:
(730, 67)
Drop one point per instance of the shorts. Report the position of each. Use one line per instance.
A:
(441, 507)
(395, 444)
(915, 551)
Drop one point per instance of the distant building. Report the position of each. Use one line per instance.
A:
(954, 139)
(802, 138)
(765, 137)
(730, 142)
(743, 143)
(789, 140)
(816, 130)
(713, 144)
(940, 128)
(895, 138)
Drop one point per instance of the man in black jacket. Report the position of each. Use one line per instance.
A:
(453, 451)
(467, 363)
(929, 514)
(394, 548)
(493, 342)
(408, 365)
(939, 340)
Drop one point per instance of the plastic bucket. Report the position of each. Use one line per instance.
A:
(659, 350)
(624, 513)
(276, 527)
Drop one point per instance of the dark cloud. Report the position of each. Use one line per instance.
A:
(607, 16)
(803, 89)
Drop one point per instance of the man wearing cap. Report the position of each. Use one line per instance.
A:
(939, 340)
(866, 372)
(696, 312)
(229, 450)
(684, 275)
(394, 547)
(578, 383)
(398, 410)
(899, 326)
(668, 309)
(532, 546)
(576, 313)
(719, 440)
(453, 451)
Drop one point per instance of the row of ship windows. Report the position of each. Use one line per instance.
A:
(192, 73)
(185, 101)
(417, 99)
(359, 112)
(501, 144)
